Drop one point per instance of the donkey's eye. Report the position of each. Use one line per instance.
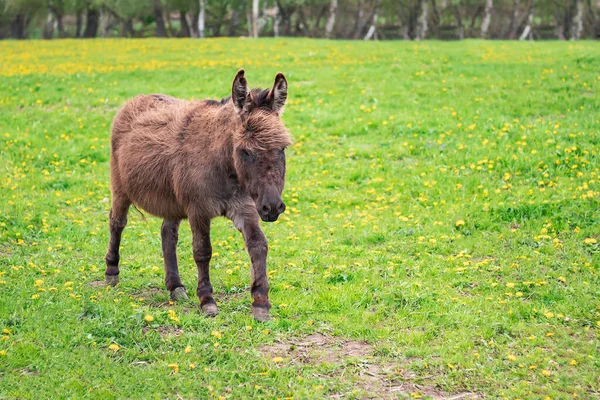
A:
(248, 157)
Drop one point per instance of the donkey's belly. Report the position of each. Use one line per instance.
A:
(160, 205)
(149, 187)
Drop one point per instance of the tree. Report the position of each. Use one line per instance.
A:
(485, 23)
(331, 20)
(527, 31)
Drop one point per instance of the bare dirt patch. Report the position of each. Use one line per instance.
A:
(368, 375)
(163, 331)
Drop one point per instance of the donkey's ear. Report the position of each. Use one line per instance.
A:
(278, 94)
(240, 95)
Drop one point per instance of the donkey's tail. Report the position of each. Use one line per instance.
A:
(141, 213)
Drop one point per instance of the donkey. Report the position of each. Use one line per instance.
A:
(199, 160)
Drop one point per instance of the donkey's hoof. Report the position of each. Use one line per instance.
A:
(179, 294)
(210, 310)
(261, 314)
(111, 280)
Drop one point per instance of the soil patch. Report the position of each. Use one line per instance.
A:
(164, 331)
(368, 375)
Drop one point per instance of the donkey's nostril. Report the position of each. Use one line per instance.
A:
(281, 208)
(265, 209)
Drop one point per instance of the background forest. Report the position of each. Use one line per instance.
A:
(336, 19)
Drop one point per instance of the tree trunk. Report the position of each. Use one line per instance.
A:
(331, 20)
(578, 22)
(201, 18)
(435, 18)
(255, 18)
(78, 23)
(487, 18)
(276, 21)
(161, 30)
(185, 28)
(512, 28)
(422, 29)
(593, 18)
(127, 29)
(560, 27)
(192, 22)
(91, 25)
(17, 27)
(58, 18)
(235, 22)
(527, 31)
(360, 21)
(49, 26)
(372, 32)
(459, 23)
(103, 22)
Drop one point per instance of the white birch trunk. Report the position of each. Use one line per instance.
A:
(372, 32)
(201, 19)
(422, 21)
(527, 31)
(487, 18)
(276, 21)
(331, 20)
(578, 23)
(255, 18)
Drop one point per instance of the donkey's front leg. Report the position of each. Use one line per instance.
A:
(202, 255)
(256, 243)
(169, 233)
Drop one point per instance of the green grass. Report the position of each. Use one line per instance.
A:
(443, 207)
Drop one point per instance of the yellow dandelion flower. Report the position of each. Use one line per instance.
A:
(460, 223)
(277, 359)
(148, 318)
(590, 241)
(174, 367)
(114, 347)
(188, 349)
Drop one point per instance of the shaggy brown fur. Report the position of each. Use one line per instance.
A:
(198, 160)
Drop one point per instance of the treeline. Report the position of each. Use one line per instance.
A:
(335, 19)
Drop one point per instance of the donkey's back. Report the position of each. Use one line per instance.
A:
(144, 144)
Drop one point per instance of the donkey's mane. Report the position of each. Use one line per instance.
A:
(264, 131)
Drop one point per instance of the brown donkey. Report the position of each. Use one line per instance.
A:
(198, 160)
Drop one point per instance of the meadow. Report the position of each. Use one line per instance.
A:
(442, 236)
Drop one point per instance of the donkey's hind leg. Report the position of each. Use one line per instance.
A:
(170, 234)
(118, 220)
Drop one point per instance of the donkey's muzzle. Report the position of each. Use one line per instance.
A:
(269, 212)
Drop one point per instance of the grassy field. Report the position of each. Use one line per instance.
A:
(442, 236)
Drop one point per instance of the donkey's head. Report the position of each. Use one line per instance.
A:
(259, 143)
